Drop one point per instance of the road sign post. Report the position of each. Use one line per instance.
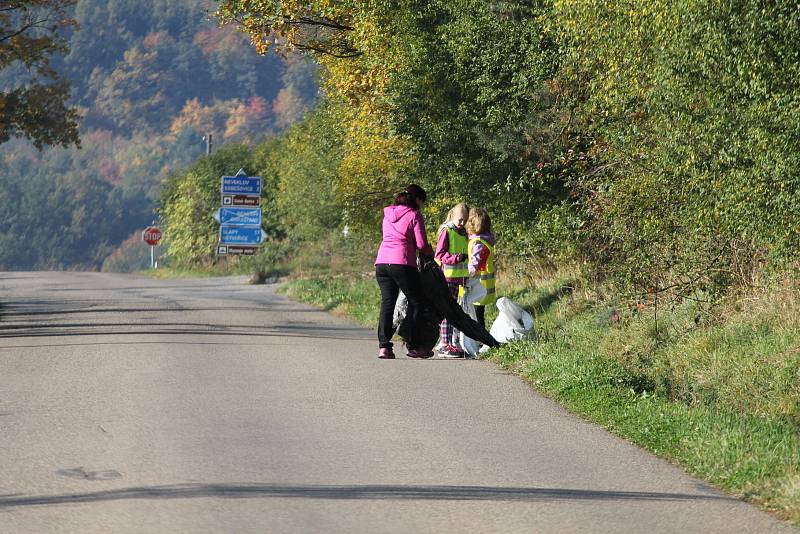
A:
(152, 236)
(239, 216)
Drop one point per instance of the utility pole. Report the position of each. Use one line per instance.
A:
(208, 138)
(153, 253)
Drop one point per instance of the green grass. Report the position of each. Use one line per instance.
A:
(169, 273)
(720, 398)
(354, 297)
(751, 455)
(239, 268)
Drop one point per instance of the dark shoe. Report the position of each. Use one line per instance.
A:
(420, 354)
(386, 354)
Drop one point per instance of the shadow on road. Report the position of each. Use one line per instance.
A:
(42, 318)
(354, 492)
(41, 308)
(280, 332)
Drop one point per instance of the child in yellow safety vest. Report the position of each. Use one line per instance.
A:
(480, 250)
(451, 255)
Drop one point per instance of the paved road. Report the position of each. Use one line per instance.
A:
(133, 405)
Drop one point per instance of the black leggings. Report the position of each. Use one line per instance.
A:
(392, 279)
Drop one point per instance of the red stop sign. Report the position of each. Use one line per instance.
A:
(152, 235)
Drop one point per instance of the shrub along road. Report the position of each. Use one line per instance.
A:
(130, 405)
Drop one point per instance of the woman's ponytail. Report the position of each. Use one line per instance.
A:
(409, 196)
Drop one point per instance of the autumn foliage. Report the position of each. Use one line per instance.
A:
(35, 106)
(148, 78)
(654, 142)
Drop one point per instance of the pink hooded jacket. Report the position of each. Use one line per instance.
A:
(403, 236)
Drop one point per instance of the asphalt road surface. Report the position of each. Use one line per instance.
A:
(134, 405)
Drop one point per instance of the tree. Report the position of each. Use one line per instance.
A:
(454, 94)
(482, 113)
(324, 27)
(137, 91)
(694, 108)
(189, 199)
(32, 32)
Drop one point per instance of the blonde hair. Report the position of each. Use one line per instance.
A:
(451, 215)
(479, 222)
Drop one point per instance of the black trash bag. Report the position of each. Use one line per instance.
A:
(438, 294)
(439, 304)
(425, 333)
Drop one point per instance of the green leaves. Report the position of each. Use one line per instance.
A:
(475, 103)
(189, 200)
(688, 101)
(657, 142)
(35, 105)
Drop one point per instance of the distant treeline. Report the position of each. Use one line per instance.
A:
(150, 78)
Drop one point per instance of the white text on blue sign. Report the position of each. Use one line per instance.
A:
(240, 235)
(241, 185)
(240, 216)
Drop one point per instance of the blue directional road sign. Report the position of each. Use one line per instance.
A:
(241, 235)
(241, 185)
(238, 216)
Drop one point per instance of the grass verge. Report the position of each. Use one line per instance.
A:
(721, 399)
(171, 273)
(354, 297)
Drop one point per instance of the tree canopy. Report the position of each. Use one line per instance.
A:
(653, 143)
(34, 96)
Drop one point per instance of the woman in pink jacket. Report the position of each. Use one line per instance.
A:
(396, 265)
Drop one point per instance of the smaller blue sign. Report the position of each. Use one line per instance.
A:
(240, 235)
(241, 185)
(239, 216)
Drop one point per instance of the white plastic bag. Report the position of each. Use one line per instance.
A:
(400, 310)
(470, 347)
(512, 323)
(473, 292)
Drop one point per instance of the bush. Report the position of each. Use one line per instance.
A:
(688, 104)
(189, 200)
(131, 256)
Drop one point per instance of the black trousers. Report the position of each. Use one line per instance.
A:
(392, 279)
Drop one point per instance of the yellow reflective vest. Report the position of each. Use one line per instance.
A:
(486, 275)
(457, 244)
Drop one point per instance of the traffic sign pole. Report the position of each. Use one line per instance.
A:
(152, 236)
(239, 217)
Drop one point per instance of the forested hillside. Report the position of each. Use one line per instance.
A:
(150, 79)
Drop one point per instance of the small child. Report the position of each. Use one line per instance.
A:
(451, 255)
(480, 250)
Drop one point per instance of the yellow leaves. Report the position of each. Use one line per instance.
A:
(374, 160)
(284, 25)
(199, 118)
(375, 163)
(238, 119)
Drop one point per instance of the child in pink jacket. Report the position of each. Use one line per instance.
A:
(451, 255)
